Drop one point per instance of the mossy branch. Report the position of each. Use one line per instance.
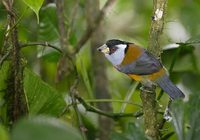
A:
(148, 95)
(157, 25)
(16, 103)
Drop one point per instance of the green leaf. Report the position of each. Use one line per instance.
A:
(177, 109)
(167, 136)
(186, 117)
(42, 98)
(183, 55)
(48, 29)
(35, 5)
(191, 81)
(82, 63)
(193, 113)
(133, 132)
(51, 57)
(118, 136)
(44, 128)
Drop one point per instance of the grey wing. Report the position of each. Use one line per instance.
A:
(144, 65)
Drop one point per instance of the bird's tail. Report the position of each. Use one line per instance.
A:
(166, 84)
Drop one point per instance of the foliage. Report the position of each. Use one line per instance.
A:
(185, 118)
(43, 128)
(35, 5)
(42, 98)
(52, 111)
(133, 132)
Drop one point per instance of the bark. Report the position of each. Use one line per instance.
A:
(15, 97)
(62, 64)
(157, 25)
(148, 95)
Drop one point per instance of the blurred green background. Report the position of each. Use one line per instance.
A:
(49, 103)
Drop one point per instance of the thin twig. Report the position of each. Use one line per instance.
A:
(8, 7)
(111, 100)
(73, 93)
(110, 115)
(7, 25)
(167, 117)
(128, 96)
(4, 58)
(18, 21)
(46, 44)
(90, 30)
(99, 101)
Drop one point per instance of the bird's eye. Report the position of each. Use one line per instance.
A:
(113, 49)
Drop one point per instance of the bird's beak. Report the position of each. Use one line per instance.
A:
(104, 49)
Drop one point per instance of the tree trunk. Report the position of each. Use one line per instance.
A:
(99, 69)
(148, 95)
(15, 97)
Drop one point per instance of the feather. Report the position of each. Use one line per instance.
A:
(166, 84)
(145, 64)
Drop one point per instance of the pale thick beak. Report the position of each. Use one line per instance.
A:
(104, 49)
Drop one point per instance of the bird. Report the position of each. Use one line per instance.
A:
(139, 64)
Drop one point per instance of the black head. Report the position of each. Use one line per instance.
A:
(113, 42)
(112, 46)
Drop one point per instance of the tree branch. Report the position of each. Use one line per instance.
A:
(97, 22)
(100, 81)
(157, 25)
(61, 23)
(110, 115)
(4, 57)
(73, 93)
(111, 100)
(63, 66)
(16, 102)
(46, 44)
(148, 95)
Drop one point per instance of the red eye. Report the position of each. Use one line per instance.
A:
(113, 49)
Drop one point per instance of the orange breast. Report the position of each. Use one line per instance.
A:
(132, 54)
